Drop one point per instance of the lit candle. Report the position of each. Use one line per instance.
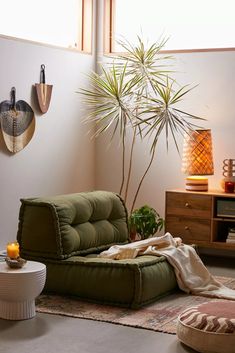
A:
(13, 250)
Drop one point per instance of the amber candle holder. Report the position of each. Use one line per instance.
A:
(13, 258)
(13, 250)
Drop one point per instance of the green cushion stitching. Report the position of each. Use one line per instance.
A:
(34, 203)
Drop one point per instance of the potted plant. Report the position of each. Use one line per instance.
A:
(144, 222)
(135, 92)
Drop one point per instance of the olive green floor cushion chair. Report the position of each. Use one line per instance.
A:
(68, 232)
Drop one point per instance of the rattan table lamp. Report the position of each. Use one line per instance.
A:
(197, 159)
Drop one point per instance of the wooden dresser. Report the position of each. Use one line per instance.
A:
(201, 218)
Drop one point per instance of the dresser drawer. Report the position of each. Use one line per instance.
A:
(189, 229)
(184, 204)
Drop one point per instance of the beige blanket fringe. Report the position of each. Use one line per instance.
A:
(192, 276)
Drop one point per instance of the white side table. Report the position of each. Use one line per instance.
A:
(19, 288)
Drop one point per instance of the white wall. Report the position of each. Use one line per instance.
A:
(60, 157)
(213, 99)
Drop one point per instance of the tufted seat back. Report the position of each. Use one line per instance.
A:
(74, 224)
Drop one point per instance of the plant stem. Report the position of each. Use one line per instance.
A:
(123, 156)
(153, 152)
(130, 162)
(141, 180)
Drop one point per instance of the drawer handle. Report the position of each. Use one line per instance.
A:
(187, 205)
(186, 228)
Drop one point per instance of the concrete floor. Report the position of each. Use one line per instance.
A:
(57, 334)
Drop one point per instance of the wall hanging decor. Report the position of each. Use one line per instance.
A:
(17, 122)
(43, 91)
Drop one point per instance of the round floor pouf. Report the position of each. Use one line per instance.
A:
(208, 327)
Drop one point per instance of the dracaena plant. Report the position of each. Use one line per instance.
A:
(136, 91)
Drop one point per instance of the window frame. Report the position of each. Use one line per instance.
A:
(109, 25)
(109, 34)
(86, 28)
(84, 35)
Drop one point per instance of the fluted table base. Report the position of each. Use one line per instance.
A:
(19, 288)
(17, 310)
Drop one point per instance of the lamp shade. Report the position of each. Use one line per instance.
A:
(197, 153)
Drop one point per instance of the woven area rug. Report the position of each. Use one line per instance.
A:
(160, 316)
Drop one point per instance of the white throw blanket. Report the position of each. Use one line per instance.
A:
(192, 276)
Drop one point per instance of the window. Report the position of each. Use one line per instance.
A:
(63, 23)
(189, 24)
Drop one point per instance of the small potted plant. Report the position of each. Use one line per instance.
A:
(144, 222)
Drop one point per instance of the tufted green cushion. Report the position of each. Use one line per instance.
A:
(75, 224)
(67, 233)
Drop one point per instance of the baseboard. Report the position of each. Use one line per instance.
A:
(216, 252)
